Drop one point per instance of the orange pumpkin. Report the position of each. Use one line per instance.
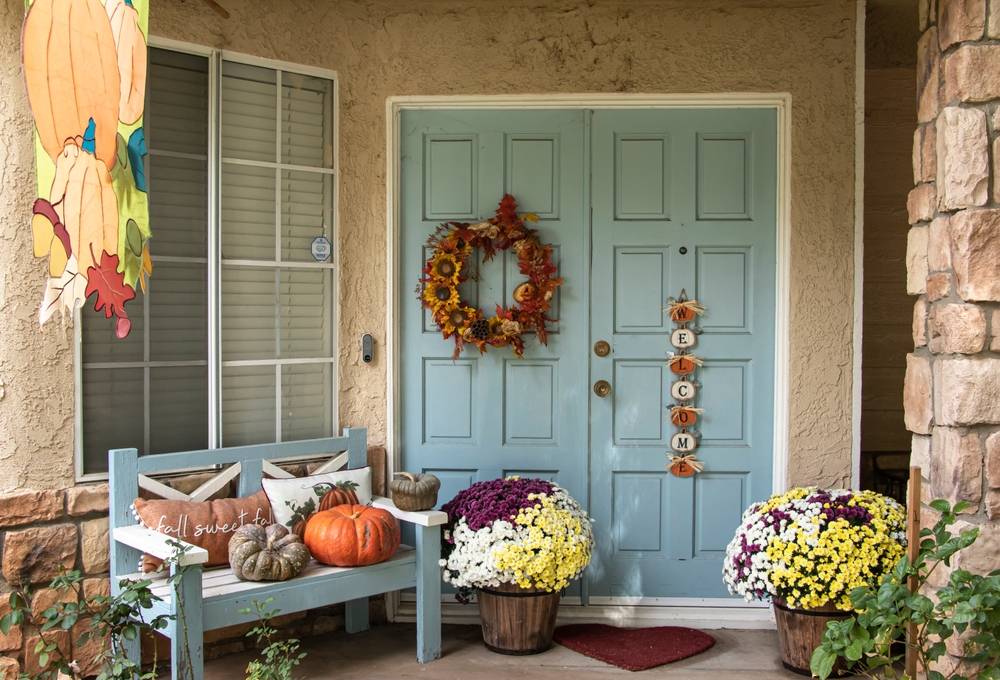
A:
(683, 416)
(130, 44)
(685, 466)
(681, 314)
(341, 493)
(71, 72)
(682, 365)
(352, 536)
(681, 468)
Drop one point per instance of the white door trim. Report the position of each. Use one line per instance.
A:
(781, 102)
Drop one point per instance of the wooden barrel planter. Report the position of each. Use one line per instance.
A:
(800, 632)
(517, 620)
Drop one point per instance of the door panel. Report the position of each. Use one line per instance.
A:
(682, 199)
(483, 416)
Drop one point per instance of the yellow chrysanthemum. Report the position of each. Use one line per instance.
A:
(556, 552)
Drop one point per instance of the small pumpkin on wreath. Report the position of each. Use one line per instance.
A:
(452, 244)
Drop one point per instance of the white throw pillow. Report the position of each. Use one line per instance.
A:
(293, 500)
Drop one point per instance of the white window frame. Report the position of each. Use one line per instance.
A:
(215, 263)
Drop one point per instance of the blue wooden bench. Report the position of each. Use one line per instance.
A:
(213, 598)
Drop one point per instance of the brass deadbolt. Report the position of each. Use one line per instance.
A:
(602, 348)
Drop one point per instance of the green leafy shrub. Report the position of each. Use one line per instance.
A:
(968, 605)
(118, 619)
(278, 658)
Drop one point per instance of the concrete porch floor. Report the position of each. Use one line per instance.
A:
(386, 652)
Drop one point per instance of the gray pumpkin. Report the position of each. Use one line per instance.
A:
(414, 492)
(270, 553)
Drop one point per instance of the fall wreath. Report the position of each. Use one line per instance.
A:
(452, 244)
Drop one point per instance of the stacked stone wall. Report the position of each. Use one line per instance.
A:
(952, 385)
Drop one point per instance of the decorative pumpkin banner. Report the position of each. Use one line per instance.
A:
(683, 461)
(85, 69)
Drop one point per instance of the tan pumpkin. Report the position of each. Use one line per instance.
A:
(85, 202)
(130, 43)
(268, 553)
(352, 536)
(414, 492)
(71, 72)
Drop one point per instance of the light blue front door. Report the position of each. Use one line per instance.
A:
(682, 199)
(486, 416)
(639, 205)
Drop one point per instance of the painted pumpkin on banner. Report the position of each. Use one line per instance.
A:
(85, 69)
(85, 201)
(130, 44)
(71, 71)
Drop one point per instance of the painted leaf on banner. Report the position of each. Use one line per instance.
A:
(108, 284)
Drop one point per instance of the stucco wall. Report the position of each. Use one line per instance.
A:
(386, 48)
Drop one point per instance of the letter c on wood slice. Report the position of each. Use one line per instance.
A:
(683, 390)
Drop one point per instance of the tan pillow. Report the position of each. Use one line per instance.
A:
(206, 524)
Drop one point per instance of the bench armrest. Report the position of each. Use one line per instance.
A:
(158, 545)
(425, 518)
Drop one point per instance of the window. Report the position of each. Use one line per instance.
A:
(234, 342)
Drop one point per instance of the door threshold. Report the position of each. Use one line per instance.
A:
(739, 616)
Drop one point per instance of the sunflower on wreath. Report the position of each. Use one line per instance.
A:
(452, 244)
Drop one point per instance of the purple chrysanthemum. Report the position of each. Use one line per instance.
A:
(839, 508)
(499, 499)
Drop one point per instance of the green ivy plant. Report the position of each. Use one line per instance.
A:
(967, 605)
(278, 658)
(119, 619)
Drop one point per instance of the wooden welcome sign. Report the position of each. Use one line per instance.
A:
(683, 415)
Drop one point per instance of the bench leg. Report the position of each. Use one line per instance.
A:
(186, 632)
(428, 594)
(356, 615)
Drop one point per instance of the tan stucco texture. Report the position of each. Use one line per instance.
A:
(383, 48)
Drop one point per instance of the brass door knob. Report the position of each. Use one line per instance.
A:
(602, 388)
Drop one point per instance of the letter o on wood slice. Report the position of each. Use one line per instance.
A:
(683, 442)
(683, 338)
(683, 390)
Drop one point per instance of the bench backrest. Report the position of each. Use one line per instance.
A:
(128, 471)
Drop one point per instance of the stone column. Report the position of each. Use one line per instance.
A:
(951, 393)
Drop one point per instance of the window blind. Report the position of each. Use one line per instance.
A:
(277, 304)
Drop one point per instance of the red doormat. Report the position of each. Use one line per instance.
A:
(634, 649)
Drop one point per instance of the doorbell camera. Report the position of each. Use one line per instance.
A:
(367, 348)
